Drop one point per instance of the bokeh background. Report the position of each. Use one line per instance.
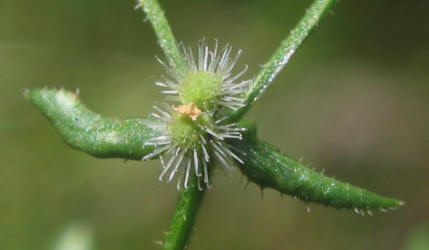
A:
(353, 100)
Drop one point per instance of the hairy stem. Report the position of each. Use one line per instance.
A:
(163, 32)
(190, 198)
(287, 48)
(184, 216)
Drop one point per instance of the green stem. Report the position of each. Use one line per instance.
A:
(184, 217)
(190, 198)
(163, 31)
(282, 55)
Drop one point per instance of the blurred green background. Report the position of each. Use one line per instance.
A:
(354, 101)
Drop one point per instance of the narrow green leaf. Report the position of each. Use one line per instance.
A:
(268, 167)
(284, 52)
(89, 132)
(163, 31)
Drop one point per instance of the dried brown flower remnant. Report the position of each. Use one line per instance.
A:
(190, 110)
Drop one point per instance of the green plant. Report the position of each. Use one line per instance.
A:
(207, 124)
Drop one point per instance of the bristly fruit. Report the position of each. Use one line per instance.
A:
(189, 146)
(192, 134)
(207, 81)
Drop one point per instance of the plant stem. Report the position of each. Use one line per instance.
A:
(163, 31)
(287, 48)
(184, 217)
(190, 198)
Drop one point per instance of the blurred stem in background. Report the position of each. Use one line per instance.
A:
(418, 239)
(76, 236)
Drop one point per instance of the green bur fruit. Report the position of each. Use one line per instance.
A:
(268, 167)
(187, 132)
(201, 88)
(183, 130)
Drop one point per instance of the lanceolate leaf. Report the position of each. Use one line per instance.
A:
(284, 52)
(163, 32)
(87, 131)
(268, 167)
